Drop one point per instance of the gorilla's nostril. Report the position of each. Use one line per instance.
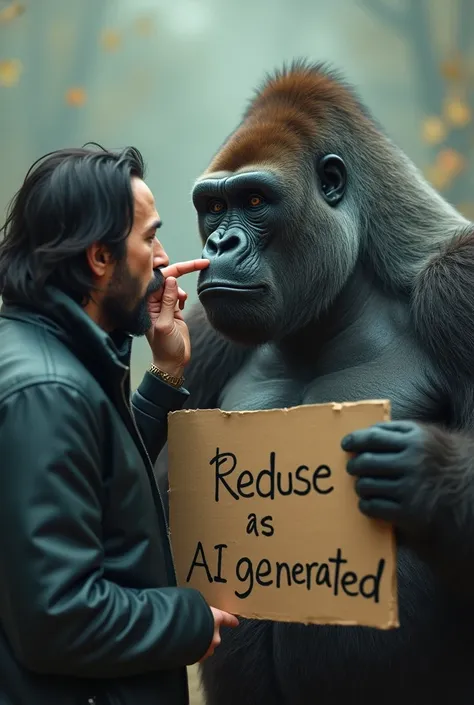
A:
(229, 243)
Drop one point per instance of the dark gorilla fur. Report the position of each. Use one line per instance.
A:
(367, 291)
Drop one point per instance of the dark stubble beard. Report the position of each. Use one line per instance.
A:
(123, 308)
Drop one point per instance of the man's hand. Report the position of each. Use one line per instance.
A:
(221, 619)
(169, 336)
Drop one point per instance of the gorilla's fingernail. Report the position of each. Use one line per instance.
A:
(346, 441)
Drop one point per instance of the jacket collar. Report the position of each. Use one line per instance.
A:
(64, 318)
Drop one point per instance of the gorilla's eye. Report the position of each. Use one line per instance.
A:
(255, 200)
(215, 206)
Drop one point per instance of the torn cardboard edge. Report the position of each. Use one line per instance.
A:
(195, 517)
(334, 405)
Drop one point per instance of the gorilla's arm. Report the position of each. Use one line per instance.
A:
(421, 478)
(443, 305)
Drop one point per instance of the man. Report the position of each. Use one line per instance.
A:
(89, 609)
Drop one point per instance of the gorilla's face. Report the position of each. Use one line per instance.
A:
(278, 255)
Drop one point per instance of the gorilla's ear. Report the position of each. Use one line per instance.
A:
(332, 175)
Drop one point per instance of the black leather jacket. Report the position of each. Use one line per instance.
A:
(89, 614)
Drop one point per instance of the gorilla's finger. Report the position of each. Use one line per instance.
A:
(378, 488)
(381, 509)
(397, 426)
(376, 465)
(374, 438)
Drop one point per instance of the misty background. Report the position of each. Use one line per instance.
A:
(172, 78)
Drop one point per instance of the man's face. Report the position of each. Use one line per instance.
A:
(125, 305)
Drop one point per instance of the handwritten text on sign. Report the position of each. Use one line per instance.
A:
(264, 518)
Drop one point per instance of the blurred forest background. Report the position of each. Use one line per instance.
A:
(173, 76)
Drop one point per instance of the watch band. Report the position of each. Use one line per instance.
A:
(169, 379)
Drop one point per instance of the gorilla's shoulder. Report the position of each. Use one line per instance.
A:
(443, 305)
(214, 360)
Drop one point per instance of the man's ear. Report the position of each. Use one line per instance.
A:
(99, 259)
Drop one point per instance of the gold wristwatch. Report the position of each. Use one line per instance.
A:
(169, 379)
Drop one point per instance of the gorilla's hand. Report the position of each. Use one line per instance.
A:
(420, 478)
(392, 465)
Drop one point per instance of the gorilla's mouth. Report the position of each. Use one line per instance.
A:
(226, 287)
(238, 311)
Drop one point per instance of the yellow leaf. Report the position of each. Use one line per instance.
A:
(451, 162)
(76, 97)
(452, 69)
(110, 40)
(11, 12)
(433, 130)
(458, 113)
(144, 26)
(437, 177)
(10, 71)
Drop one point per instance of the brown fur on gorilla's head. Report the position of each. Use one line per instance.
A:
(287, 114)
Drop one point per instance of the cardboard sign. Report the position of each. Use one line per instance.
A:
(264, 517)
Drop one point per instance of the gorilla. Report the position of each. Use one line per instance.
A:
(337, 273)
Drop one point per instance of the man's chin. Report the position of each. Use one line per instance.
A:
(136, 323)
(140, 326)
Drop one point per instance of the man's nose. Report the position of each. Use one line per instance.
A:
(160, 258)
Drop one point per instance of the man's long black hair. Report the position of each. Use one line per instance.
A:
(70, 199)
